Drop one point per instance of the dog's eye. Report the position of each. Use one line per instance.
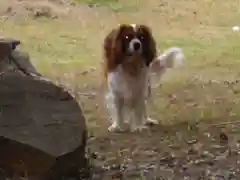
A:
(142, 37)
(126, 37)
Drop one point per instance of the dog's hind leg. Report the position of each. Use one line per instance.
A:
(147, 119)
(148, 98)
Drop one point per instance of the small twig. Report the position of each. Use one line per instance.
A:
(225, 123)
(87, 94)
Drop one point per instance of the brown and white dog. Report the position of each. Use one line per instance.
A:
(130, 56)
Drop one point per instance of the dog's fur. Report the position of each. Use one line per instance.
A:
(130, 57)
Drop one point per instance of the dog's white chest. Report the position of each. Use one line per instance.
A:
(126, 86)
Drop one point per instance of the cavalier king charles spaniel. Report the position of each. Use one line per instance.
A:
(130, 56)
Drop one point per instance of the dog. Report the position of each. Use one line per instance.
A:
(130, 56)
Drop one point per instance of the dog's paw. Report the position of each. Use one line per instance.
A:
(139, 128)
(150, 121)
(116, 128)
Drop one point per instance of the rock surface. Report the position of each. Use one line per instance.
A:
(42, 128)
(6, 47)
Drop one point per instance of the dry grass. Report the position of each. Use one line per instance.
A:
(202, 90)
(67, 48)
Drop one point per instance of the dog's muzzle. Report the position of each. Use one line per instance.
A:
(135, 46)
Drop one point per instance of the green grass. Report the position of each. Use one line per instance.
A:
(212, 53)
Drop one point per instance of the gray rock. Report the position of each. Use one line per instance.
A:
(5, 49)
(42, 129)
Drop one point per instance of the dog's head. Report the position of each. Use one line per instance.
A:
(130, 42)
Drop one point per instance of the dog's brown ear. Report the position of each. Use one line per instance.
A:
(108, 50)
(113, 47)
(117, 44)
(113, 36)
(107, 45)
(151, 51)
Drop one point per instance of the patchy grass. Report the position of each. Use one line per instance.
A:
(203, 88)
(211, 49)
(206, 89)
(113, 5)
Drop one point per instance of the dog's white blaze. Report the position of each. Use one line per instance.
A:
(134, 26)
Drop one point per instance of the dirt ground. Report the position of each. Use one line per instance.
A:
(207, 149)
(189, 150)
(183, 151)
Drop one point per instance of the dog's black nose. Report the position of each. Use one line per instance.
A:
(136, 46)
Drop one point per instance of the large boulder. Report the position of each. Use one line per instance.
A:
(42, 129)
(6, 47)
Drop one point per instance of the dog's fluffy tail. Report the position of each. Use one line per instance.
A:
(171, 58)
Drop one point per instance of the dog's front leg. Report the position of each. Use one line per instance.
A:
(138, 120)
(117, 115)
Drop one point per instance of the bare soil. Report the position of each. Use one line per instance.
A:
(183, 151)
(191, 150)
